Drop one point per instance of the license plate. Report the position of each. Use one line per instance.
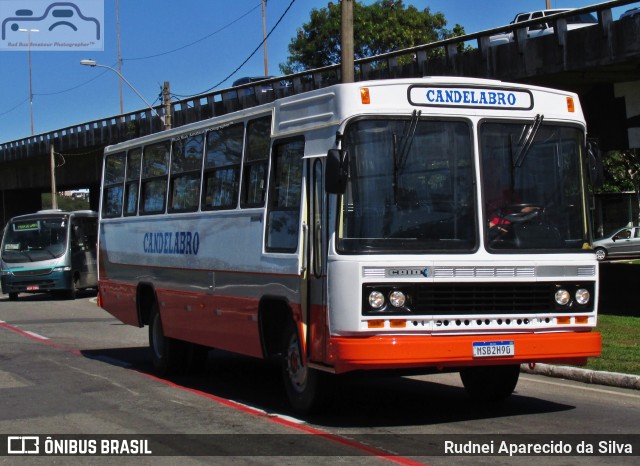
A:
(487, 349)
(33, 287)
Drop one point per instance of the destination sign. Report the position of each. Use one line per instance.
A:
(470, 97)
(26, 226)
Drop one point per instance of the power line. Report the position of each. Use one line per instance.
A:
(195, 41)
(74, 87)
(13, 108)
(248, 58)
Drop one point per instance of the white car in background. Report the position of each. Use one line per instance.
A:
(577, 21)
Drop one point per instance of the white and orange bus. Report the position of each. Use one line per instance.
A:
(432, 224)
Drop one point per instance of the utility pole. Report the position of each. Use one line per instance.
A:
(548, 4)
(346, 42)
(54, 193)
(264, 35)
(166, 100)
(119, 58)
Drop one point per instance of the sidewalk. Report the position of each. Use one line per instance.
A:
(613, 379)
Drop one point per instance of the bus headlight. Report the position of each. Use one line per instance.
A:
(582, 296)
(62, 269)
(376, 300)
(563, 297)
(397, 298)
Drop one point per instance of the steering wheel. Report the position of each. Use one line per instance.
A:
(522, 212)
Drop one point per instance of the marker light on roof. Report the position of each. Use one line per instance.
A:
(364, 95)
(571, 106)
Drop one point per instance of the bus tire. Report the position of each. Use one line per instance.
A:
(305, 387)
(167, 354)
(490, 383)
(13, 296)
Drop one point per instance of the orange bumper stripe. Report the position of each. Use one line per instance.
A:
(417, 351)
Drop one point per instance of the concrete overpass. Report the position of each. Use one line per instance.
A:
(601, 63)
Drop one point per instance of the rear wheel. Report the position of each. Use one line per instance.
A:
(167, 354)
(13, 296)
(306, 387)
(490, 383)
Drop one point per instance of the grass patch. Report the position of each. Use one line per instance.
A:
(620, 345)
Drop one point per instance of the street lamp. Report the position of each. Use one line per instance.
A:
(93, 64)
(29, 31)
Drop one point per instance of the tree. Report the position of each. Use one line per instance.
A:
(384, 26)
(622, 171)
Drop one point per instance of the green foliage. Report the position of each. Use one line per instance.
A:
(382, 27)
(620, 345)
(65, 203)
(621, 171)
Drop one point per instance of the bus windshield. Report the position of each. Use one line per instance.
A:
(410, 187)
(532, 188)
(35, 240)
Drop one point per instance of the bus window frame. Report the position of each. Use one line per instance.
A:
(151, 179)
(116, 184)
(193, 175)
(211, 169)
(252, 161)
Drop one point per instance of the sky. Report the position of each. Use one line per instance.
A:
(193, 44)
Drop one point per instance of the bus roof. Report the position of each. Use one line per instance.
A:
(52, 213)
(329, 105)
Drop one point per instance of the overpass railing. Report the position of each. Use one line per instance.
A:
(436, 58)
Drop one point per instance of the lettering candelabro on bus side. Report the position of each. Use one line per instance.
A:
(171, 242)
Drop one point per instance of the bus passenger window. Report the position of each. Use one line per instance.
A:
(186, 163)
(222, 167)
(255, 162)
(113, 179)
(134, 157)
(155, 164)
(283, 218)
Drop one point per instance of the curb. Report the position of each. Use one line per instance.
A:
(612, 379)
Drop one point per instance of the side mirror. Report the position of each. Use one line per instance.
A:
(337, 171)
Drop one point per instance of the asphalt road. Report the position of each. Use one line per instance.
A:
(71, 371)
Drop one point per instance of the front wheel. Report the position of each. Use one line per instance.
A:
(490, 383)
(305, 386)
(167, 354)
(601, 254)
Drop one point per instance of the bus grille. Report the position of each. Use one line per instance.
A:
(31, 273)
(481, 298)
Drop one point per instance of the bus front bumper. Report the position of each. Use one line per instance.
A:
(443, 352)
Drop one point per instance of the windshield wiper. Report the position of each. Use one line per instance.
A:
(401, 149)
(524, 144)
